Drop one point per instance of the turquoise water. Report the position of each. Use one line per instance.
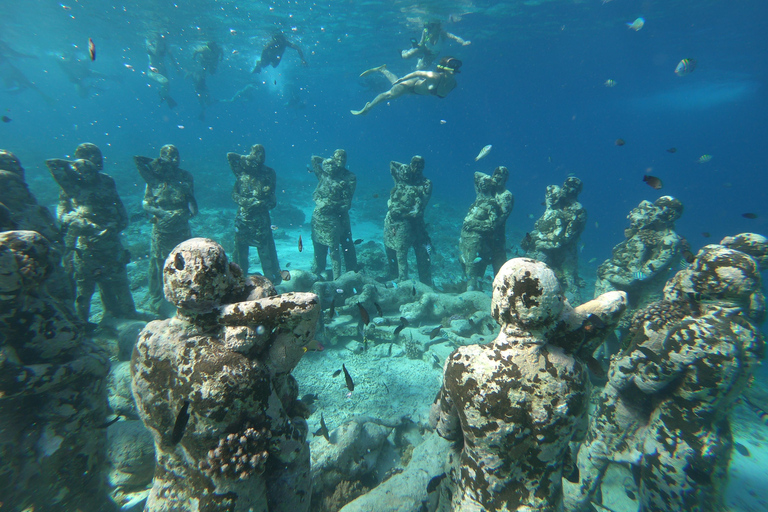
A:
(533, 85)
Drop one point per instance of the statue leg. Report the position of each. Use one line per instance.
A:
(423, 264)
(84, 289)
(268, 256)
(242, 242)
(349, 252)
(319, 258)
(392, 263)
(336, 260)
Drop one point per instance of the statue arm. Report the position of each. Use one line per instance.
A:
(145, 168)
(65, 176)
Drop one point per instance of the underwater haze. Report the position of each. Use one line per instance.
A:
(558, 88)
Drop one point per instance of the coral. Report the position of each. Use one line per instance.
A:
(238, 456)
(344, 493)
(412, 349)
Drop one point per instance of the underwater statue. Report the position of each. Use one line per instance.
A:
(254, 194)
(483, 238)
(53, 401)
(170, 198)
(92, 216)
(666, 407)
(641, 264)
(213, 385)
(331, 228)
(404, 225)
(555, 236)
(513, 406)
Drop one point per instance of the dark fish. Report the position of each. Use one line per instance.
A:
(749, 215)
(378, 309)
(433, 334)
(275, 82)
(672, 150)
(363, 314)
(358, 241)
(323, 430)
(471, 322)
(688, 256)
(333, 309)
(619, 142)
(336, 373)
(404, 321)
(399, 329)
(706, 234)
(285, 275)
(375, 196)
(595, 367)
(301, 245)
(91, 49)
(414, 290)
(631, 495)
(434, 483)
(651, 267)
(348, 379)
(110, 422)
(653, 181)
(181, 424)
(741, 449)
(288, 265)
(6, 119)
(650, 354)
(309, 398)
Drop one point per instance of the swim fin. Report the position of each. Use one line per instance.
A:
(373, 70)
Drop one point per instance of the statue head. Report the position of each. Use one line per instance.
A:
(24, 260)
(91, 152)
(526, 293)
(10, 162)
(169, 154)
(257, 155)
(340, 158)
(87, 170)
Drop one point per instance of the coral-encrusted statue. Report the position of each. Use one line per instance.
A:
(331, 228)
(483, 240)
(213, 385)
(53, 398)
(404, 225)
(555, 236)
(514, 405)
(665, 409)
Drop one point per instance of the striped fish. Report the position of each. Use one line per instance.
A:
(639, 275)
(757, 410)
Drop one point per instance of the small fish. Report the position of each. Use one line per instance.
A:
(287, 265)
(631, 495)
(363, 314)
(435, 332)
(483, 152)
(706, 234)
(181, 423)
(741, 449)
(65, 7)
(672, 150)
(653, 181)
(610, 83)
(592, 260)
(651, 267)
(323, 430)
(434, 483)
(636, 25)
(375, 196)
(639, 275)
(91, 49)
(273, 227)
(595, 367)
(688, 256)
(413, 292)
(477, 260)
(749, 215)
(619, 142)
(348, 379)
(378, 309)
(301, 244)
(314, 346)
(6, 119)
(336, 373)
(399, 329)
(403, 320)
(704, 159)
(110, 422)
(309, 398)
(285, 275)
(685, 67)
(358, 241)
(333, 309)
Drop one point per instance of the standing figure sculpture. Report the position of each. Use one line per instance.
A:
(92, 217)
(514, 405)
(53, 397)
(404, 225)
(331, 228)
(170, 198)
(483, 238)
(555, 237)
(213, 385)
(254, 194)
(666, 407)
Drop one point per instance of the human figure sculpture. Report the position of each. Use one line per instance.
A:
(92, 217)
(254, 194)
(514, 405)
(666, 407)
(555, 237)
(483, 238)
(213, 385)
(641, 263)
(24, 213)
(170, 198)
(331, 228)
(52, 389)
(404, 225)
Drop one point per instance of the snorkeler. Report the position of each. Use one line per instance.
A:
(206, 57)
(436, 83)
(157, 50)
(428, 47)
(272, 54)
